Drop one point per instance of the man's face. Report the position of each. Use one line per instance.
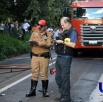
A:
(64, 25)
(42, 28)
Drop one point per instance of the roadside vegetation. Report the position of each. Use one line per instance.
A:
(33, 10)
(10, 46)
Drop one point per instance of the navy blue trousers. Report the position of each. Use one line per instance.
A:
(62, 76)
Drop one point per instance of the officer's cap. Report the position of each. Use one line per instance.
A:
(41, 23)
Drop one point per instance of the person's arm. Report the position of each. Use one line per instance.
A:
(31, 42)
(70, 44)
(47, 43)
(73, 40)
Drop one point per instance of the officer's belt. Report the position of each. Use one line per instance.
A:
(46, 55)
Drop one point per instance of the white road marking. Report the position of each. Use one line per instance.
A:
(96, 95)
(18, 81)
(14, 83)
(51, 63)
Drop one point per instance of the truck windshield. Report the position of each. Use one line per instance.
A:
(88, 13)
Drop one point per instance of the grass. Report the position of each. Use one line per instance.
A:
(10, 46)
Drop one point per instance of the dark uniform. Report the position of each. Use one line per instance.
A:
(40, 60)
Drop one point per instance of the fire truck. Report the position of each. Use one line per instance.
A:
(87, 18)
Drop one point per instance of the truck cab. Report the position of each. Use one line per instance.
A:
(87, 19)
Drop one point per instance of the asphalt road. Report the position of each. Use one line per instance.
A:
(86, 72)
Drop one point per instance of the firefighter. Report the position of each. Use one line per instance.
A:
(41, 43)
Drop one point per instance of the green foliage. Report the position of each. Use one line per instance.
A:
(51, 10)
(10, 46)
(4, 12)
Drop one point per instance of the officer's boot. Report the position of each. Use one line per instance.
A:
(33, 88)
(45, 88)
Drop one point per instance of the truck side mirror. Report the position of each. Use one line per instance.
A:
(66, 12)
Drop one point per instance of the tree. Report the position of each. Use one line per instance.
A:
(11, 9)
(4, 12)
(51, 10)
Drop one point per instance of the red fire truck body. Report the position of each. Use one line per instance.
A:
(87, 19)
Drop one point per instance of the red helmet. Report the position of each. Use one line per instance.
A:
(41, 23)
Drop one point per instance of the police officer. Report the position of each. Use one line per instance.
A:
(40, 41)
(64, 48)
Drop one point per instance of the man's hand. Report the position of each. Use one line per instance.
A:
(60, 41)
(32, 42)
(50, 34)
